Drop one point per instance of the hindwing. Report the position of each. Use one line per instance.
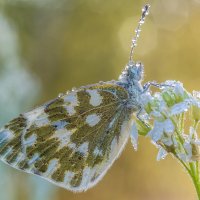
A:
(71, 140)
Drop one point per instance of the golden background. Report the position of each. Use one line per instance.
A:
(69, 43)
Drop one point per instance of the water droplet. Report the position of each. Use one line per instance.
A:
(67, 92)
(101, 82)
(161, 154)
(60, 95)
(141, 21)
(138, 64)
(73, 89)
(137, 30)
(196, 94)
(134, 40)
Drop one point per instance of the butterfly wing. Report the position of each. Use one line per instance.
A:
(72, 140)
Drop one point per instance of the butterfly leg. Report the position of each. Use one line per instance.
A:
(138, 115)
(155, 84)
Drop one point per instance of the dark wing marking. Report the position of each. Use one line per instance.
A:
(72, 140)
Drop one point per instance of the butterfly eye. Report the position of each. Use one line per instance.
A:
(140, 70)
(135, 72)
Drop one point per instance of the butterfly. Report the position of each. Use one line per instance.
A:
(74, 139)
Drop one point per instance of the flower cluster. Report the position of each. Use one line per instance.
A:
(173, 115)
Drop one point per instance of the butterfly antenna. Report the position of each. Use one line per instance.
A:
(145, 12)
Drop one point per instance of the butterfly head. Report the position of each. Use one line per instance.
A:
(132, 73)
(135, 71)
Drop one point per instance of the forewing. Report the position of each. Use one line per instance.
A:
(72, 140)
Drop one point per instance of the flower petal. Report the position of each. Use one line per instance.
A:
(168, 126)
(161, 154)
(180, 107)
(134, 136)
(157, 131)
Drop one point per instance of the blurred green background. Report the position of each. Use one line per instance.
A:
(48, 47)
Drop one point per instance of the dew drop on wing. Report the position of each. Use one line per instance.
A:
(74, 89)
(60, 95)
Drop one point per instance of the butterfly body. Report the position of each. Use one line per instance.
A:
(130, 79)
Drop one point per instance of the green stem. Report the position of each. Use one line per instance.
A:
(197, 169)
(197, 186)
(178, 130)
(193, 171)
(193, 167)
(195, 178)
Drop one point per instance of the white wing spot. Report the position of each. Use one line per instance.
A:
(63, 136)
(33, 115)
(83, 148)
(68, 177)
(96, 98)
(97, 152)
(8, 152)
(70, 109)
(42, 120)
(71, 145)
(53, 164)
(72, 101)
(19, 158)
(5, 135)
(60, 124)
(33, 159)
(30, 140)
(93, 119)
(87, 173)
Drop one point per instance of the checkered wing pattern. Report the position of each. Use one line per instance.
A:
(72, 140)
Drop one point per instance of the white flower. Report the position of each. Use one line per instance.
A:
(189, 155)
(162, 131)
(146, 98)
(134, 135)
(164, 110)
(191, 146)
(169, 141)
(168, 126)
(180, 108)
(178, 89)
(183, 157)
(156, 114)
(161, 154)
(157, 132)
(196, 94)
(188, 148)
